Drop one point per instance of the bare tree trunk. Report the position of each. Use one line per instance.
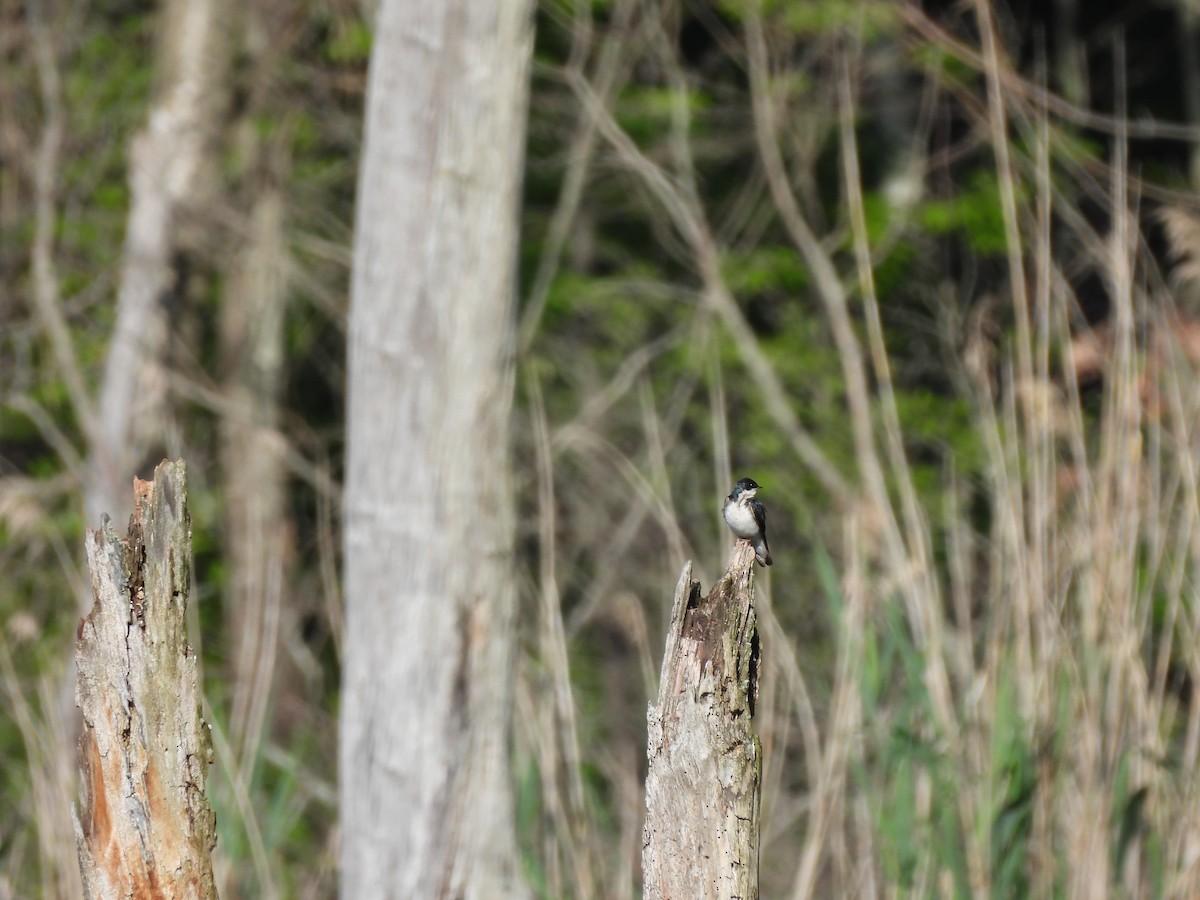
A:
(702, 788)
(426, 803)
(165, 165)
(257, 542)
(144, 827)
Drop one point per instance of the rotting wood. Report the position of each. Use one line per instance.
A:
(705, 761)
(143, 825)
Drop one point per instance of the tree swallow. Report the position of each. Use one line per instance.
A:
(747, 518)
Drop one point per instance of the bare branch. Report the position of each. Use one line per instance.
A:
(579, 157)
(690, 223)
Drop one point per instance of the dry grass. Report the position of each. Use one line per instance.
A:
(1009, 707)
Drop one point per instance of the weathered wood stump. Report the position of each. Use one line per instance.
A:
(702, 788)
(143, 825)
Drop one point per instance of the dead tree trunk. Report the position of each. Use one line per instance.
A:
(143, 826)
(702, 789)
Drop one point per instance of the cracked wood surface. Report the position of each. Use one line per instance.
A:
(143, 824)
(705, 761)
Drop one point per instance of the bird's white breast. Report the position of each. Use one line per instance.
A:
(740, 519)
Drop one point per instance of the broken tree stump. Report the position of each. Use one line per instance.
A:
(702, 787)
(143, 824)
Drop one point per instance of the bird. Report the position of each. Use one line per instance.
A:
(747, 518)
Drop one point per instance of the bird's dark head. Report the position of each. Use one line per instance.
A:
(745, 486)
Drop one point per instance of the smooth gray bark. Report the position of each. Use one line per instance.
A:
(702, 787)
(425, 794)
(143, 825)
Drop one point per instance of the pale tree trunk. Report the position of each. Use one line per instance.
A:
(425, 793)
(258, 541)
(166, 162)
(702, 786)
(144, 827)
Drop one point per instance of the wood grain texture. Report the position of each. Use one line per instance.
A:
(705, 761)
(144, 827)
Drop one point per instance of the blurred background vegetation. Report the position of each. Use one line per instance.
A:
(927, 272)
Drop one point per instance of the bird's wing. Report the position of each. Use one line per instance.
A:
(760, 516)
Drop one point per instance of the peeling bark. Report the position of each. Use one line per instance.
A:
(702, 788)
(143, 825)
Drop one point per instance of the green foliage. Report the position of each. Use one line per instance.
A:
(1015, 786)
(894, 268)
(764, 270)
(936, 58)
(1071, 146)
(648, 112)
(974, 213)
(911, 782)
(939, 430)
(349, 43)
(570, 8)
(871, 19)
(528, 805)
(108, 76)
(821, 17)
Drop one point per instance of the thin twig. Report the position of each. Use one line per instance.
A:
(554, 652)
(579, 158)
(694, 230)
